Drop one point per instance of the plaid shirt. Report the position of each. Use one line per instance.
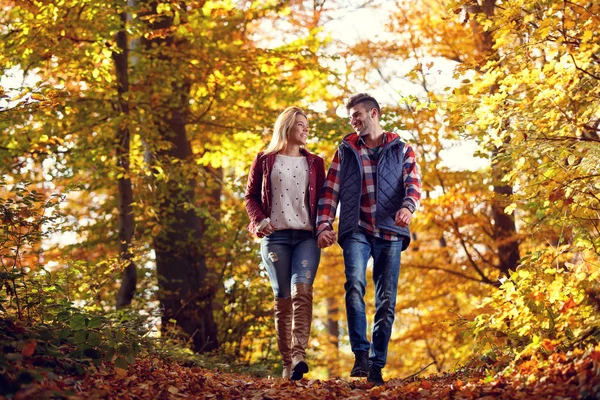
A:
(369, 157)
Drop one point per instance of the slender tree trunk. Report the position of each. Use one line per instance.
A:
(214, 187)
(505, 232)
(126, 221)
(333, 332)
(186, 291)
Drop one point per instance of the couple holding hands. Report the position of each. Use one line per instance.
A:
(375, 181)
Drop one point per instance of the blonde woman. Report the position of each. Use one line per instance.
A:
(281, 199)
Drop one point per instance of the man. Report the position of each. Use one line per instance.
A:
(375, 179)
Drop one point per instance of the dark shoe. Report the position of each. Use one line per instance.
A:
(361, 364)
(375, 376)
(299, 370)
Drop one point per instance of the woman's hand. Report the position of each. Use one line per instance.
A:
(326, 239)
(267, 229)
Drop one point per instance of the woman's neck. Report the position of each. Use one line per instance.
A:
(291, 151)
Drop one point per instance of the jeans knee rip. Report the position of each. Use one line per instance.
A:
(273, 256)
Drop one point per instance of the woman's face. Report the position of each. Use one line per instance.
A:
(299, 131)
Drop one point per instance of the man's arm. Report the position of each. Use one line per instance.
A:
(328, 200)
(412, 180)
(412, 185)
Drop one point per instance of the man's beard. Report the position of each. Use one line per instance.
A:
(364, 130)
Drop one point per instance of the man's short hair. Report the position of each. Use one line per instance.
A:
(369, 101)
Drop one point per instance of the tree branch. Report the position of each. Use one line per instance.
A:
(449, 271)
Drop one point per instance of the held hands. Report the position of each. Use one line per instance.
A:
(403, 217)
(326, 239)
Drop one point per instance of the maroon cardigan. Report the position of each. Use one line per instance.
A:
(258, 192)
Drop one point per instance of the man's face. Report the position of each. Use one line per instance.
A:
(362, 120)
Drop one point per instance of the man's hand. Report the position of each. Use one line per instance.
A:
(403, 217)
(326, 239)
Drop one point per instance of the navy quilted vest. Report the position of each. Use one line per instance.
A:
(389, 185)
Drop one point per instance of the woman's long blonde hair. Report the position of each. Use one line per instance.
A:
(282, 128)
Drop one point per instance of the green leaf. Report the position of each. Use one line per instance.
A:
(121, 362)
(123, 349)
(540, 213)
(95, 322)
(64, 333)
(63, 316)
(94, 339)
(77, 322)
(109, 353)
(80, 337)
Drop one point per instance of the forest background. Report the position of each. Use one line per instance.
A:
(127, 140)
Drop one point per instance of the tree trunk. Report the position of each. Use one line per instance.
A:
(185, 289)
(185, 292)
(333, 332)
(126, 221)
(505, 232)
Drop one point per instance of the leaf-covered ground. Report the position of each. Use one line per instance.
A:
(562, 376)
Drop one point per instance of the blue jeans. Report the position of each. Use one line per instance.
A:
(358, 248)
(290, 256)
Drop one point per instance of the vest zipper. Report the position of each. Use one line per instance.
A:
(360, 168)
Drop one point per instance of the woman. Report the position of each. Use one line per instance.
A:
(281, 198)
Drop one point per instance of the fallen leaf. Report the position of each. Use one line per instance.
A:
(121, 373)
(29, 348)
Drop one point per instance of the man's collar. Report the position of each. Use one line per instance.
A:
(387, 137)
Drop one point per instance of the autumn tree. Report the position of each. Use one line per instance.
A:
(123, 145)
(464, 232)
(523, 95)
(545, 107)
(166, 117)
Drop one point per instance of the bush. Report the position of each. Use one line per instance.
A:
(40, 324)
(550, 302)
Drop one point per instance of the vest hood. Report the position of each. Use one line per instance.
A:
(352, 139)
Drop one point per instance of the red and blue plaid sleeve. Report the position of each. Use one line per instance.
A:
(329, 197)
(412, 179)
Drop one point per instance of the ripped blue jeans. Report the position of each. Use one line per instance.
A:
(290, 256)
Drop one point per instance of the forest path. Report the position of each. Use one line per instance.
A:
(563, 376)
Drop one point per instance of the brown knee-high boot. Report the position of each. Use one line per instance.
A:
(283, 326)
(302, 302)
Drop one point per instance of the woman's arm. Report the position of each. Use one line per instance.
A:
(253, 195)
